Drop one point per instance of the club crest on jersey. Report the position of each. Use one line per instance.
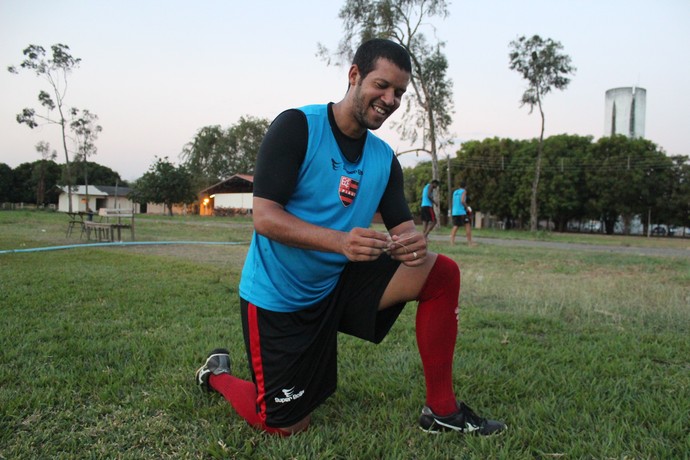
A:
(347, 190)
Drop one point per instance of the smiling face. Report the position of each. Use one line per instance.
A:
(376, 96)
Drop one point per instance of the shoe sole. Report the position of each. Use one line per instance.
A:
(205, 385)
(473, 433)
(200, 383)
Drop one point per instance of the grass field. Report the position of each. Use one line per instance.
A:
(583, 355)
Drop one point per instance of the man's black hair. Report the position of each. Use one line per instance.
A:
(371, 50)
(435, 182)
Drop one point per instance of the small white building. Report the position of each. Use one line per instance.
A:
(95, 198)
(230, 196)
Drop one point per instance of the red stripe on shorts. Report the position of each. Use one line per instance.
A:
(257, 363)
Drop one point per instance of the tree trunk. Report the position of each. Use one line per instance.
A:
(627, 223)
(450, 189)
(86, 185)
(434, 158)
(41, 189)
(68, 172)
(610, 224)
(533, 206)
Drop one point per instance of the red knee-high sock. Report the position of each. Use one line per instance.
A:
(437, 330)
(241, 394)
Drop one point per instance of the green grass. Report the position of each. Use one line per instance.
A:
(584, 355)
(676, 242)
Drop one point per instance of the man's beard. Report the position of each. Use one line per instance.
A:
(361, 112)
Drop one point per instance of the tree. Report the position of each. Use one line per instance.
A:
(562, 186)
(495, 173)
(679, 203)
(415, 179)
(431, 106)
(54, 69)
(206, 155)
(519, 178)
(26, 183)
(85, 128)
(40, 171)
(245, 138)
(216, 153)
(164, 183)
(541, 63)
(97, 174)
(498, 174)
(23, 186)
(627, 177)
(6, 180)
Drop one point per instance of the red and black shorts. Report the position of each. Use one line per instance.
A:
(428, 214)
(293, 356)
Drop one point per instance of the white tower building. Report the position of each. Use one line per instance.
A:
(625, 112)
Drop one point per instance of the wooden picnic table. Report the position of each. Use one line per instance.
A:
(107, 227)
(102, 231)
(111, 222)
(76, 219)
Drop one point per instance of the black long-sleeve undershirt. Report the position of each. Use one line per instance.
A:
(283, 150)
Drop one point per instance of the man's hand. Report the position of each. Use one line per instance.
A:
(408, 248)
(364, 244)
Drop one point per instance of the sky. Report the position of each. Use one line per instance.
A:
(155, 72)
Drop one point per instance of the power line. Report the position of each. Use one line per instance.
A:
(564, 164)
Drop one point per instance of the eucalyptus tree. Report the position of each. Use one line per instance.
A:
(430, 108)
(85, 127)
(545, 67)
(54, 69)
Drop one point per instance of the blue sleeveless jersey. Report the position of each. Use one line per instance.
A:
(458, 208)
(426, 201)
(331, 192)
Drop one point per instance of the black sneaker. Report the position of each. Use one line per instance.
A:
(218, 362)
(464, 421)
